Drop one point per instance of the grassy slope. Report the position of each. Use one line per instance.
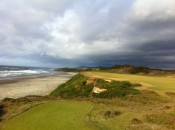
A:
(63, 115)
(69, 115)
(159, 84)
(75, 115)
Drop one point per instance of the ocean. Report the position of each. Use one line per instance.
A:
(10, 72)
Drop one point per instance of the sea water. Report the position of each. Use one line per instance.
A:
(8, 72)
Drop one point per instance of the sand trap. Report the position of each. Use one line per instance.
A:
(32, 86)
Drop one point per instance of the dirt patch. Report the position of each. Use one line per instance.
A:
(110, 114)
(90, 81)
(136, 121)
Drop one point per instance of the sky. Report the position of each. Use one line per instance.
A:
(71, 33)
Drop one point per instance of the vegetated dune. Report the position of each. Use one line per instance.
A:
(79, 86)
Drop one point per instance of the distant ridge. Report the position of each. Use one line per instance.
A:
(123, 69)
(136, 70)
(142, 70)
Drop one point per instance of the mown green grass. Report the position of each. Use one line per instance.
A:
(158, 84)
(61, 115)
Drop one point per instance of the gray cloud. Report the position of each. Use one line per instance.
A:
(93, 33)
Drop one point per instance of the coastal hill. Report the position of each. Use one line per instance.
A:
(123, 69)
(114, 98)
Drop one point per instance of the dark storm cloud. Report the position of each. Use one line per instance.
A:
(92, 33)
(159, 45)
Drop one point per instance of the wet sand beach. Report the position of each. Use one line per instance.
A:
(15, 88)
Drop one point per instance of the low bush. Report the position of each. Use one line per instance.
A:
(2, 111)
(147, 97)
(111, 114)
(115, 89)
(165, 119)
(116, 92)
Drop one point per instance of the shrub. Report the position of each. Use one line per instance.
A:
(136, 84)
(75, 87)
(165, 119)
(86, 90)
(115, 89)
(2, 111)
(116, 92)
(110, 114)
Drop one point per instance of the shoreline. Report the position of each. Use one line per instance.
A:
(40, 86)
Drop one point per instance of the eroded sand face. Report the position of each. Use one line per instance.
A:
(32, 86)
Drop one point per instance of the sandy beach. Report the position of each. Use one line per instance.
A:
(21, 87)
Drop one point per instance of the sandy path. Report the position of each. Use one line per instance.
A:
(32, 86)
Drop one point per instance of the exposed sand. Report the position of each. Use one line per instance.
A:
(32, 86)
